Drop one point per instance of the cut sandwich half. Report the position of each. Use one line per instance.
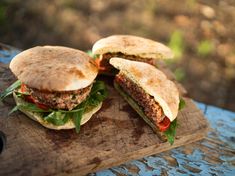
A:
(128, 47)
(150, 93)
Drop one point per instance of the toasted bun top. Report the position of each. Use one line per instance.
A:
(132, 45)
(54, 68)
(153, 81)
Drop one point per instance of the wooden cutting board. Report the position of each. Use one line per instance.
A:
(113, 136)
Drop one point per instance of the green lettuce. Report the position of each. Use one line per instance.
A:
(10, 90)
(171, 131)
(181, 104)
(94, 56)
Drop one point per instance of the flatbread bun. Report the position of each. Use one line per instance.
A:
(69, 125)
(153, 81)
(54, 68)
(132, 45)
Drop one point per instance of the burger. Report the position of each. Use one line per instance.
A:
(128, 47)
(56, 86)
(148, 91)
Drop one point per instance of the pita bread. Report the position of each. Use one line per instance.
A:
(153, 81)
(132, 45)
(69, 125)
(54, 68)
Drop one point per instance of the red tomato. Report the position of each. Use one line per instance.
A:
(30, 98)
(23, 88)
(41, 106)
(165, 124)
(97, 61)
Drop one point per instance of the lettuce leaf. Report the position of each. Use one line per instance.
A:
(57, 118)
(97, 95)
(32, 107)
(77, 116)
(10, 90)
(94, 56)
(171, 131)
(13, 110)
(181, 104)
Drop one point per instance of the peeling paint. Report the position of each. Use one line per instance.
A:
(7, 53)
(211, 156)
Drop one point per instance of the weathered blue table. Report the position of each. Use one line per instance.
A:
(214, 155)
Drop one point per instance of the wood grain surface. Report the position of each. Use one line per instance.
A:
(113, 136)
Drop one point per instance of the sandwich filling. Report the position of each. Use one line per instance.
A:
(104, 59)
(46, 111)
(66, 100)
(107, 56)
(150, 107)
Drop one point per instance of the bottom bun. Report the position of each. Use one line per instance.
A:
(140, 111)
(69, 125)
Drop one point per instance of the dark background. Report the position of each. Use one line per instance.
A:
(200, 32)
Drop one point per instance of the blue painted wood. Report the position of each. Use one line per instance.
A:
(7, 53)
(214, 155)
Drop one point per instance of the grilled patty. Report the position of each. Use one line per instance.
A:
(150, 107)
(60, 100)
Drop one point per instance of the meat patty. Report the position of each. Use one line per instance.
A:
(150, 107)
(60, 99)
(105, 58)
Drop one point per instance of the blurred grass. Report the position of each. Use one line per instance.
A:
(177, 44)
(191, 3)
(180, 74)
(205, 48)
(3, 9)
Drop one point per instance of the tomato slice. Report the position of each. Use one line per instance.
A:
(23, 88)
(41, 106)
(98, 61)
(30, 98)
(164, 125)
